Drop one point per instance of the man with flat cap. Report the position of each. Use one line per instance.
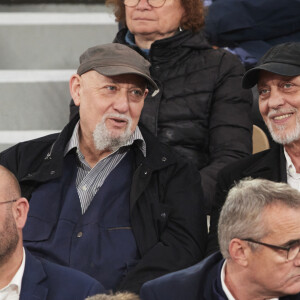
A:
(277, 76)
(105, 196)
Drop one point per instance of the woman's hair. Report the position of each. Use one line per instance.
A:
(193, 18)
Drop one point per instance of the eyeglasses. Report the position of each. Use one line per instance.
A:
(291, 251)
(9, 201)
(153, 3)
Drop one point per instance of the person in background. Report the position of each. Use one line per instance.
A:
(249, 28)
(200, 109)
(259, 236)
(22, 276)
(105, 196)
(277, 76)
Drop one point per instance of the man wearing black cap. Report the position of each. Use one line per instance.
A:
(105, 196)
(277, 76)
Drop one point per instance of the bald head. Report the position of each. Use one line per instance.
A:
(9, 185)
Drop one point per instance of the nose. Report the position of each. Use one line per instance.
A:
(276, 99)
(143, 4)
(121, 103)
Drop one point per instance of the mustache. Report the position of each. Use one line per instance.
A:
(118, 116)
(275, 112)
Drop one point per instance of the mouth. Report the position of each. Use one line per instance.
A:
(118, 122)
(141, 19)
(281, 118)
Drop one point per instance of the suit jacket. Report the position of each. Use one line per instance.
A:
(269, 164)
(43, 280)
(199, 282)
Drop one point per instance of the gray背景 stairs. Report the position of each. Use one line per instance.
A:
(40, 49)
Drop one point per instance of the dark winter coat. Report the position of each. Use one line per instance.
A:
(201, 109)
(269, 164)
(166, 202)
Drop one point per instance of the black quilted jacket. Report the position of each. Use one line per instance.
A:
(201, 109)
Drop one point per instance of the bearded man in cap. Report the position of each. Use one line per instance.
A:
(105, 196)
(277, 76)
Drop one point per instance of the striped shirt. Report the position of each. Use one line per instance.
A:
(89, 180)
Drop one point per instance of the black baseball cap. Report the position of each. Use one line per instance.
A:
(282, 59)
(115, 59)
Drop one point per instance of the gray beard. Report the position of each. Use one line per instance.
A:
(105, 140)
(280, 137)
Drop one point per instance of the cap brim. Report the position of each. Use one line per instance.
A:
(251, 77)
(120, 70)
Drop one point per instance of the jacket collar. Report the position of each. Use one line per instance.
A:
(184, 38)
(173, 47)
(158, 156)
(52, 162)
(34, 275)
(269, 164)
(59, 145)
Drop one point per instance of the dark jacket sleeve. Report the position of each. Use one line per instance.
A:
(181, 240)
(230, 125)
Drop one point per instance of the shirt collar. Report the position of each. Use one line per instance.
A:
(290, 168)
(17, 279)
(224, 287)
(136, 137)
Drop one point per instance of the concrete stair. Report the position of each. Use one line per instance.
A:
(40, 49)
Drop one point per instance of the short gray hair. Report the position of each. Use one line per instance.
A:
(241, 215)
(117, 296)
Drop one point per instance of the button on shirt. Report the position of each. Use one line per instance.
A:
(293, 178)
(13, 289)
(224, 287)
(89, 180)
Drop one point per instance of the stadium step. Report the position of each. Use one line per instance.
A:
(41, 45)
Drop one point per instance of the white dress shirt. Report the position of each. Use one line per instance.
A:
(13, 289)
(293, 178)
(224, 287)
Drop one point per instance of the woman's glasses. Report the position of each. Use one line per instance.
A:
(153, 3)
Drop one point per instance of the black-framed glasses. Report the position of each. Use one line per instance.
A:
(153, 3)
(291, 251)
(9, 201)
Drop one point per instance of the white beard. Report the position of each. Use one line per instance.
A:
(106, 140)
(279, 136)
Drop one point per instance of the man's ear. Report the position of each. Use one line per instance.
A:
(20, 209)
(146, 93)
(74, 86)
(239, 251)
